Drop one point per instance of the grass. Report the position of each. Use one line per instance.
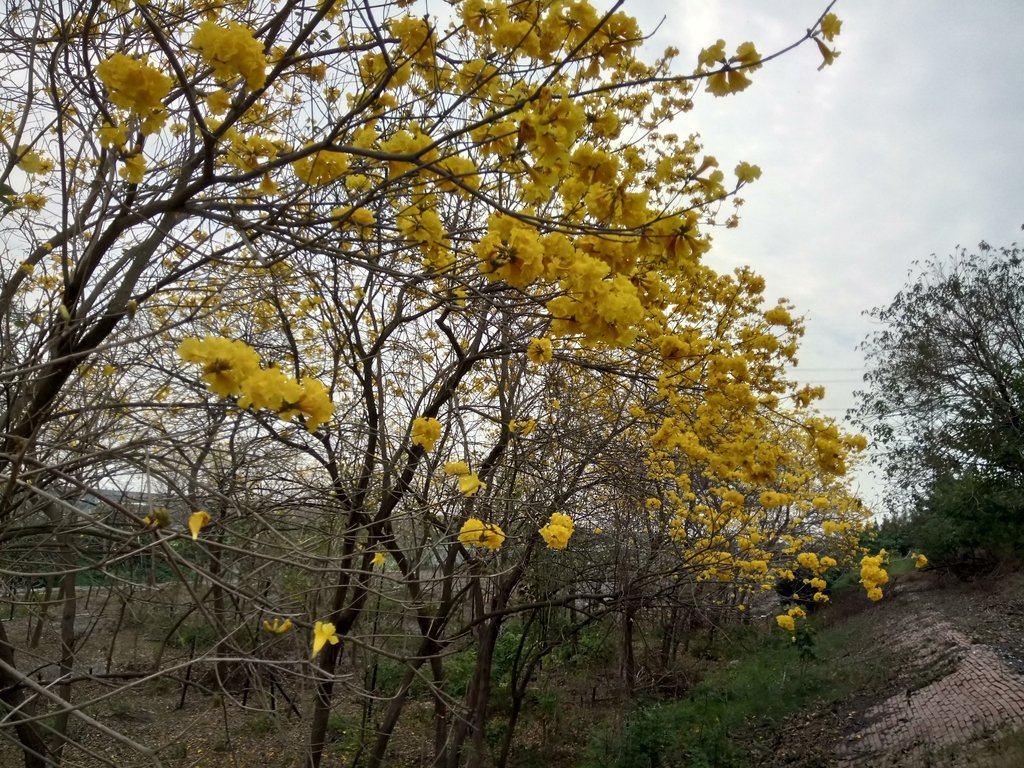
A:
(739, 714)
(1004, 749)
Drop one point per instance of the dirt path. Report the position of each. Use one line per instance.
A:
(968, 643)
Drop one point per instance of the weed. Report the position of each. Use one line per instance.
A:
(770, 680)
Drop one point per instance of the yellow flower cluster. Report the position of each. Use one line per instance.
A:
(425, 432)
(231, 51)
(557, 532)
(232, 369)
(226, 362)
(511, 251)
(134, 168)
(731, 74)
(830, 26)
(787, 621)
(278, 627)
(522, 428)
(321, 167)
(809, 560)
(920, 561)
(34, 163)
(771, 499)
(873, 575)
(469, 483)
(134, 85)
(476, 533)
(539, 351)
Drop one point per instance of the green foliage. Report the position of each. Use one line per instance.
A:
(891, 534)
(969, 517)
(137, 570)
(202, 635)
(505, 651)
(459, 668)
(345, 735)
(944, 403)
(770, 680)
(804, 640)
(594, 645)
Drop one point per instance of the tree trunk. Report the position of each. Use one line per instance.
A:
(33, 747)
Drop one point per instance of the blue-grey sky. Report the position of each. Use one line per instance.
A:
(910, 144)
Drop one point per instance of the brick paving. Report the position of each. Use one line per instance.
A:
(974, 694)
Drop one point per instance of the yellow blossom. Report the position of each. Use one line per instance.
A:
(226, 363)
(136, 86)
(197, 521)
(920, 561)
(34, 163)
(539, 351)
(873, 575)
(324, 633)
(219, 101)
(828, 55)
(476, 533)
(522, 428)
(271, 389)
(786, 622)
(557, 532)
(231, 50)
(314, 404)
(830, 26)
(278, 627)
(321, 167)
(112, 136)
(31, 200)
(747, 173)
(378, 558)
(809, 560)
(425, 432)
(469, 484)
(134, 168)
(458, 468)
(267, 185)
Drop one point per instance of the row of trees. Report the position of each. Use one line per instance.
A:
(371, 297)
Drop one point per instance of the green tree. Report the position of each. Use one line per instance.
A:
(944, 399)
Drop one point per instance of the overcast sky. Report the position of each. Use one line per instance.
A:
(910, 144)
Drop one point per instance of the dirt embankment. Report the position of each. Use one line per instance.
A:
(962, 648)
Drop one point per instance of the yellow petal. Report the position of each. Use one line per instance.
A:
(323, 633)
(197, 521)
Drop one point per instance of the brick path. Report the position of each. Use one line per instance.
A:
(976, 694)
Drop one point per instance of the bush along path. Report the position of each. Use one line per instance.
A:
(969, 646)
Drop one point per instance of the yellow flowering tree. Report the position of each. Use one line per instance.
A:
(385, 302)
